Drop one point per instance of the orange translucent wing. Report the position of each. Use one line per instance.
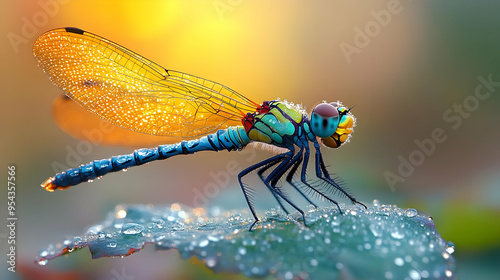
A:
(133, 92)
(84, 125)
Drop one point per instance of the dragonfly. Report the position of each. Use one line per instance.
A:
(194, 114)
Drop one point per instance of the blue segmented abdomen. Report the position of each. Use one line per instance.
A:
(232, 138)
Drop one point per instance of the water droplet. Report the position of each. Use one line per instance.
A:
(397, 233)
(242, 250)
(213, 238)
(175, 207)
(211, 261)
(314, 262)
(43, 261)
(376, 203)
(120, 214)
(410, 212)
(182, 214)
(450, 247)
(256, 270)
(335, 221)
(376, 229)
(111, 244)
(448, 273)
(94, 229)
(132, 228)
(101, 235)
(248, 242)
(43, 253)
(117, 225)
(77, 240)
(388, 275)
(415, 275)
(399, 261)
(203, 243)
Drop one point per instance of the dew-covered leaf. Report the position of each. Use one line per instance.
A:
(382, 242)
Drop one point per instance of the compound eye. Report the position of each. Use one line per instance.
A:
(326, 110)
(324, 120)
(334, 104)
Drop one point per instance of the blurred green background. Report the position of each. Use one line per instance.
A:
(410, 67)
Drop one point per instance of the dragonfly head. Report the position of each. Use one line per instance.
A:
(332, 123)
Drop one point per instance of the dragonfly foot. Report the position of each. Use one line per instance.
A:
(256, 221)
(340, 210)
(361, 204)
(305, 221)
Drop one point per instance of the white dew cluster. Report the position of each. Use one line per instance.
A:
(381, 242)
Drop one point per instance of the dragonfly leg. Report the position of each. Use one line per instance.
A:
(304, 180)
(247, 191)
(261, 176)
(277, 173)
(294, 165)
(289, 178)
(322, 173)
